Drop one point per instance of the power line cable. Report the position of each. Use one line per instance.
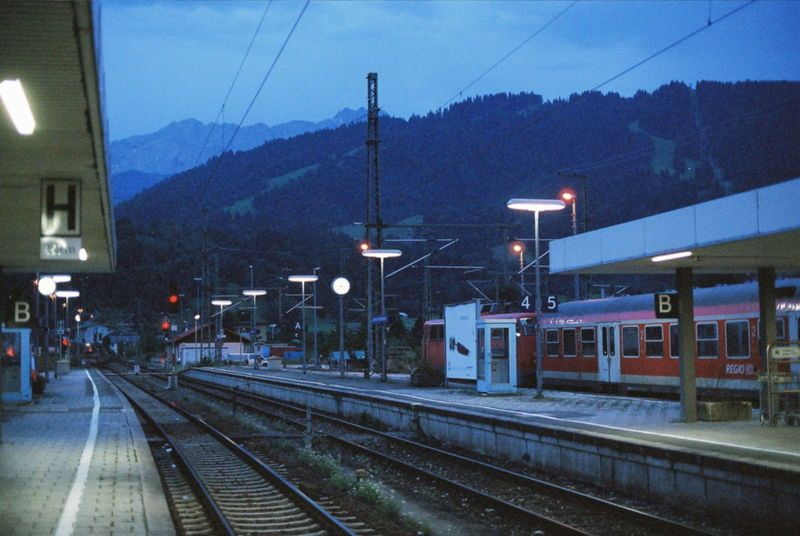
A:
(230, 88)
(219, 160)
(509, 54)
(514, 131)
(673, 44)
(501, 60)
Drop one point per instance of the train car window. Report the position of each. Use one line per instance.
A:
(674, 342)
(437, 331)
(570, 343)
(630, 341)
(527, 327)
(737, 339)
(605, 341)
(551, 342)
(588, 342)
(707, 340)
(654, 341)
(611, 341)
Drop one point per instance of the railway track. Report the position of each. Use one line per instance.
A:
(223, 488)
(550, 507)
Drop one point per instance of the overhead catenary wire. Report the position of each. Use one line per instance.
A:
(510, 132)
(221, 111)
(509, 53)
(702, 28)
(218, 162)
(496, 64)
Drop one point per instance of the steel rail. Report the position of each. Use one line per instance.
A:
(545, 522)
(210, 503)
(311, 507)
(554, 489)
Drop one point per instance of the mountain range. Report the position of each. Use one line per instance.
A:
(139, 162)
(291, 204)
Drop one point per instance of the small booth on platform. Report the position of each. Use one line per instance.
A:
(15, 372)
(480, 350)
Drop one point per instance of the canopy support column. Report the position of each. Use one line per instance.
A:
(767, 333)
(687, 345)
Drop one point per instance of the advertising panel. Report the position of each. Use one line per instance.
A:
(460, 323)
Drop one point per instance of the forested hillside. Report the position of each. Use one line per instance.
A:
(285, 201)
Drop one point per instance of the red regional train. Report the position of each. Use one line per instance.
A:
(619, 343)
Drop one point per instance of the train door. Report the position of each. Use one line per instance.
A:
(608, 356)
(496, 357)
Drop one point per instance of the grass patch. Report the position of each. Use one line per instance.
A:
(283, 180)
(242, 206)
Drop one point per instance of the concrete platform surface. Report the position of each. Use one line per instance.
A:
(75, 461)
(622, 417)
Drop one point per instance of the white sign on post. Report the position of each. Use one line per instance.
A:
(460, 345)
(61, 220)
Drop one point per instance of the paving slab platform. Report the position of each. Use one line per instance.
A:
(76, 461)
(621, 417)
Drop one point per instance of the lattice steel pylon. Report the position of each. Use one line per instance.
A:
(373, 228)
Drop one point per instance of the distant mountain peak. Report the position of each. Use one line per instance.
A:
(348, 115)
(183, 144)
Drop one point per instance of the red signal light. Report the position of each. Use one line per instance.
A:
(165, 325)
(173, 298)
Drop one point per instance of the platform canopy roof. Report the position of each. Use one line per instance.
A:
(52, 49)
(738, 233)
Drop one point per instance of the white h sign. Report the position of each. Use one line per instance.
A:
(61, 207)
(61, 220)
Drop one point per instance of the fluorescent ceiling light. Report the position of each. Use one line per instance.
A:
(67, 294)
(16, 104)
(63, 278)
(672, 256)
(254, 292)
(535, 205)
(303, 278)
(381, 253)
(221, 303)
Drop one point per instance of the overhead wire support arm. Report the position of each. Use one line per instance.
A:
(416, 261)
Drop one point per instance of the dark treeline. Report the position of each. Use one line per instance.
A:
(278, 207)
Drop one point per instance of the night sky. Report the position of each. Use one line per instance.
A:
(166, 61)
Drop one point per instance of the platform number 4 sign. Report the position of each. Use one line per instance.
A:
(549, 304)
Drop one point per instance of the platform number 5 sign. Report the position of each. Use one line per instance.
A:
(549, 304)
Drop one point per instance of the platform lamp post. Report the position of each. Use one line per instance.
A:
(222, 304)
(199, 352)
(46, 287)
(253, 293)
(569, 197)
(56, 280)
(67, 295)
(78, 319)
(382, 254)
(341, 286)
(536, 206)
(303, 279)
(520, 250)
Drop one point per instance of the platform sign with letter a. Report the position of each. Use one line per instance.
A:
(666, 305)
